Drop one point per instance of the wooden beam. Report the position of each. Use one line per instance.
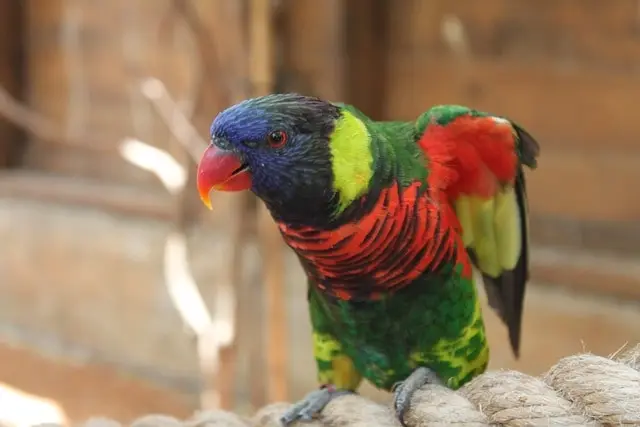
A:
(366, 59)
(586, 271)
(314, 54)
(613, 237)
(121, 199)
(11, 77)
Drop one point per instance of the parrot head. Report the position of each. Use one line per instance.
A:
(278, 147)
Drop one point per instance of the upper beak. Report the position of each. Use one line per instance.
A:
(221, 170)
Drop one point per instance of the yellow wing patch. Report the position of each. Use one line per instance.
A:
(492, 228)
(352, 161)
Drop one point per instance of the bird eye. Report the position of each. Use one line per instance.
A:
(277, 138)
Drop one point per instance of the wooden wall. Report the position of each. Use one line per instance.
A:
(568, 70)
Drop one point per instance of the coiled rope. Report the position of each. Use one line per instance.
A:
(580, 390)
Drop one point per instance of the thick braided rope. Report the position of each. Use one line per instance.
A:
(580, 390)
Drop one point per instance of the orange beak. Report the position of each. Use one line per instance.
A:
(221, 170)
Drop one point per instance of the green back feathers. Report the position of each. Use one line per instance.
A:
(369, 155)
(404, 161)
(443, 115)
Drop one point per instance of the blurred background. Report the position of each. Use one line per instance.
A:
(120, 294)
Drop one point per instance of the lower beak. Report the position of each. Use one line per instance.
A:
(221, 170)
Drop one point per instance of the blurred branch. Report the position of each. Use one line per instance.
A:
(455, 36)
(159, 162)
(19, 114)
(179, 125)
(208, 49)
(79, 104)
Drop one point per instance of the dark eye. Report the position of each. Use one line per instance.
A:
(277, 138)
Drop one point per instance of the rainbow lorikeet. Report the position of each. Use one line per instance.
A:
(389, 220)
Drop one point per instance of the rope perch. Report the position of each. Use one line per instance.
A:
(580, 390)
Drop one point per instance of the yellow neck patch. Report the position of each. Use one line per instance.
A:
(350, 146)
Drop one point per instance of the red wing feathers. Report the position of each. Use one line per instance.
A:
(470, 155)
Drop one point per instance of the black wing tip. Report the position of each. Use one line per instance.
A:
(516, 350)
(529, 147)
(515, 329)
(506, 297)
(521, 273)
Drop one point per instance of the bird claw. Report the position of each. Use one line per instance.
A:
(404, 390)
(311, 405)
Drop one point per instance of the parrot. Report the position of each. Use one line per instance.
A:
(393, 223)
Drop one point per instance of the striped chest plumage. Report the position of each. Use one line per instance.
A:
(406, 233)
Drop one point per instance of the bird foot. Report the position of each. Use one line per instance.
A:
(312, 404)
(404, 390)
